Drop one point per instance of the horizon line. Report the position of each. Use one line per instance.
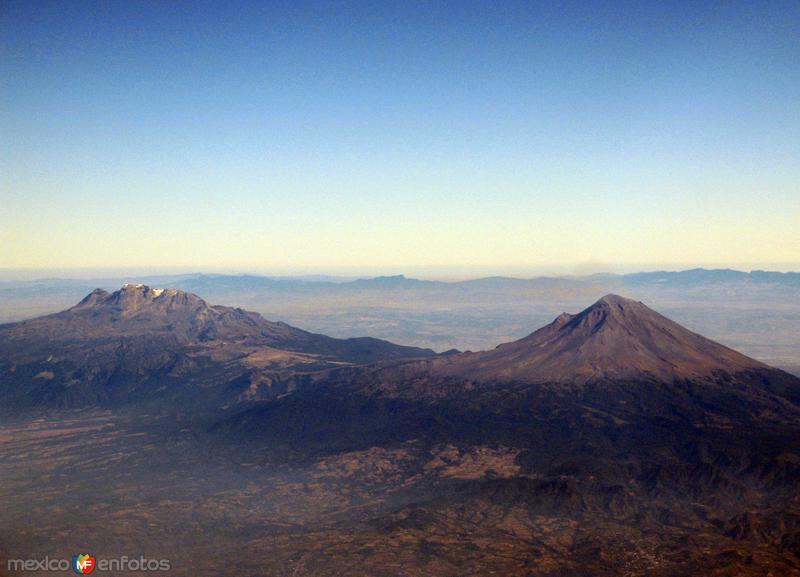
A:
(122, 273)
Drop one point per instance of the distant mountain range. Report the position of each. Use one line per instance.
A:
(198, 282)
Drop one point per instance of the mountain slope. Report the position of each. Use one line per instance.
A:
(139, 343)
(611, 442)
(615, 338)
(617, 356)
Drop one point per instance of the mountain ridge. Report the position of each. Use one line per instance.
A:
(140, 343)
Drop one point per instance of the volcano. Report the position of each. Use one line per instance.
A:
(617, 355)
(610, 442)
(616, 338)
(625, 429)
(142, 343)
(137, 310)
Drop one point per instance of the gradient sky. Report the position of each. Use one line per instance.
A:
(291, 136)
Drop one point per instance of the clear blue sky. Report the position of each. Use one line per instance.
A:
(293, 136)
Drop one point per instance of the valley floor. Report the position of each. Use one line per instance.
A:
(116, 485)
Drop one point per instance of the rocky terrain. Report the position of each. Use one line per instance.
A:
(610, 442)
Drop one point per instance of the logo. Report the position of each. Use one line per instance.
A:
(83, 564)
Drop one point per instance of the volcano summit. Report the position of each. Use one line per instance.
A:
(615, 339)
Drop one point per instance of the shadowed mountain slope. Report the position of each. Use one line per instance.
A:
(655, 450)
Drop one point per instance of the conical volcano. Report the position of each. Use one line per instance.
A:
(615, 338)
